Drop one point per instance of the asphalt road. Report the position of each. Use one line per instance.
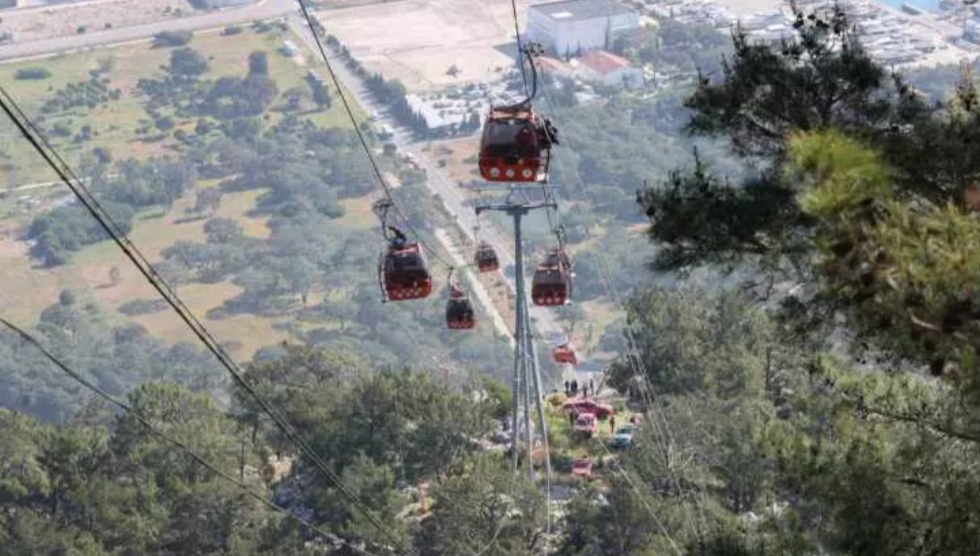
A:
(448, 190)
(265, 9)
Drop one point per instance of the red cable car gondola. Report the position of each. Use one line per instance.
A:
(565, 354)
(552, 281)
(459, 310)
(516, 146)
(486, 258)
(404, 270)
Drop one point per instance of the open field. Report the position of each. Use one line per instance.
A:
(459, 156)
(45, 22)
(88, 272)
(416, 41)
(88, 275)
(113, 126)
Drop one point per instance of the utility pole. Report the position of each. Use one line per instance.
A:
(526, 380)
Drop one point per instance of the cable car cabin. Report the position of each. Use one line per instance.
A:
(459, 312)
(552, 281)
(486, 258)
(565, 354)
(515, 146)
(405, 273)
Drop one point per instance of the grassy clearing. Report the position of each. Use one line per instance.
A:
(601, 315)
(113, 126)
(459, 156)
(250, 331)
(89, 272)
(359, 215)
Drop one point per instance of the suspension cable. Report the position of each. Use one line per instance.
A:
(658, 418)
(310, 21)
(77, 377)
(520, 52)
(88, 200)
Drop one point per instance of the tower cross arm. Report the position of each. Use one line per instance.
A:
(512, 208)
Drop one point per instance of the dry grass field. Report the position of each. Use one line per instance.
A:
(416, 41)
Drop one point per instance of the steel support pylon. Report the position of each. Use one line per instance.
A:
(526, 379)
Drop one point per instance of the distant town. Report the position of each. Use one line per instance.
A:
(578, 37)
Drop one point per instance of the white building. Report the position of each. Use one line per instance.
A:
(441, 115)
(610, 70)
(573, 25)
(216, 4)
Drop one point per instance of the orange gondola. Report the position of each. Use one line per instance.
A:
(552, 281)
(516, 145)
(564, 354)
(486, 258)
(459, 310)
(405, 273)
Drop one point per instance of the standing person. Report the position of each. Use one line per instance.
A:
(592, 386)
(567, 386)
(612, 423)
(574, 387)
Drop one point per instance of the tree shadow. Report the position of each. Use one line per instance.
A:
(191, 219)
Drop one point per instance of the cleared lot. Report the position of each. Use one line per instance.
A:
(417, 41)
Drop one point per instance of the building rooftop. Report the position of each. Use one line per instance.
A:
(579, 10)
(437, 117)
(603, 62)
(551, 64)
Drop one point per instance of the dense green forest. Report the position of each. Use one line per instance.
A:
(826, 403)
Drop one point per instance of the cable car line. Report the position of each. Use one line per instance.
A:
(69, 178)
(660, 422)
(357, 130)
(532, 50)
(638, 366)
(77, 377)
(520, 57)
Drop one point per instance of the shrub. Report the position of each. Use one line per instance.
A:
(35, 74)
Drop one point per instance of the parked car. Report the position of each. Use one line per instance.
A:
(582, 467)
(623, 437)
(585, 424)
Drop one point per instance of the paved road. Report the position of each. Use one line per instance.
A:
(440, 184)
(265, 9)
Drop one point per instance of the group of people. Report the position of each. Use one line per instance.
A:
(572, 388)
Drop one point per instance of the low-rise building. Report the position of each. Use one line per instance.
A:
(610, 70)
(571, 26)
(442, 116)
(215, 4)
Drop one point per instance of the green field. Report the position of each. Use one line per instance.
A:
(114, 129)
(113, 126)
(88, 272)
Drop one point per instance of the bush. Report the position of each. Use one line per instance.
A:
(35, 74)
(172, 39)
(138, 307)
(557, 399)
